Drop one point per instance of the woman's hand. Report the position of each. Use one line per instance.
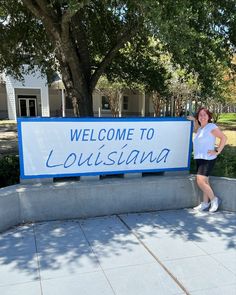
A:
(191, 118)
(195, 123)
(213, 153)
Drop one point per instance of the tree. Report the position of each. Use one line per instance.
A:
(113, 91)
(230, 83)
(143, 66)
(183, 88)
(83, 38)
(199, 35)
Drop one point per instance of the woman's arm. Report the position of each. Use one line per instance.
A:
(223, 139)
(195, 123)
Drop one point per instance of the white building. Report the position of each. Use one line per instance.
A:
(34, 97)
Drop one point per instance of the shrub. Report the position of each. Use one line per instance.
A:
(226, 163)
(9, 170)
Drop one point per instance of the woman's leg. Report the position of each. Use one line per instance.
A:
(203, 184)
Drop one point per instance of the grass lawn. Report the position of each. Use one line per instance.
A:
(227, 121)
(228, 118)
(7, 122)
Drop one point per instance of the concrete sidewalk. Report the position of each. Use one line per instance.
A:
(164, 252)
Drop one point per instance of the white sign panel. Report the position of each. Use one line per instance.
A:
(58, 147)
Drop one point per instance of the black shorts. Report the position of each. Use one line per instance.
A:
(204, 167)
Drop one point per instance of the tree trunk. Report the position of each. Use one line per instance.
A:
(69, 37)
(85, 104)
(156, 100)
(78, 90)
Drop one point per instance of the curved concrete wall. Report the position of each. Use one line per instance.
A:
(68, 200)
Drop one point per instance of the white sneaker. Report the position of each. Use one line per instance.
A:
(215, 203)
(202, 207)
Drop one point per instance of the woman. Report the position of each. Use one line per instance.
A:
(205, 155)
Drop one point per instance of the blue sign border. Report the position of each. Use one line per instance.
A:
(95, 119)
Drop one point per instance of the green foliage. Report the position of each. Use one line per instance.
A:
(226, 163)
(140, 65)
(104, 85)
(88, 38)
(9, 170)
(196, 33)
(23, 40)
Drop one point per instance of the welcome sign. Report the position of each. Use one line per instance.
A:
(59, 147)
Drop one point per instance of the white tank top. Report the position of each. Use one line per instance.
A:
(203, 142)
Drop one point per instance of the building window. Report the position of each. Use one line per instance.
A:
(125, 103)
(105, 103)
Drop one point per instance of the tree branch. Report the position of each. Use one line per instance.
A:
(128, 34)
(67, 16)
(33, 7)
(59, 33)
(111, 53)
(50, 21)
(73, 9)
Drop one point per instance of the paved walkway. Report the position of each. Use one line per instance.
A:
(160, 253)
